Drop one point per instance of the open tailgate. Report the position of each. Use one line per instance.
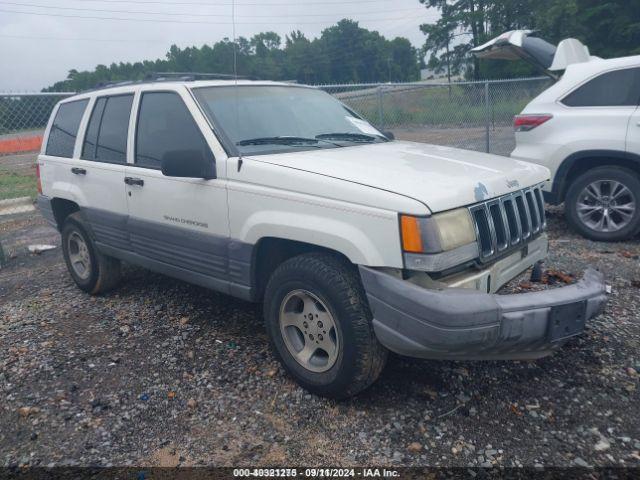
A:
(521, 44)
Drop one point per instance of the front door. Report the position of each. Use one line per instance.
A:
(178, 226)
(633, 131)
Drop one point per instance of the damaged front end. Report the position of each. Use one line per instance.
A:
(467, 324)
(430, 310)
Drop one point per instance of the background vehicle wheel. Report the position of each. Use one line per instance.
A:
(92, 271)
(603, 204)
(319, 323)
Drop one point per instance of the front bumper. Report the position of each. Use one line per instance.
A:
(465, 324)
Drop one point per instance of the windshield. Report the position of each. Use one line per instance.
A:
(271, 119)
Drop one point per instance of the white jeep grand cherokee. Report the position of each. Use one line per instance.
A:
(280, 194)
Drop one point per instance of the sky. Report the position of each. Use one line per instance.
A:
(49, 37)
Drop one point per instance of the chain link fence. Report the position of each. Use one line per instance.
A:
(472, 115)
(23, 118)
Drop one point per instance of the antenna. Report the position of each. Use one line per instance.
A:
(233, 34)
(235, 72)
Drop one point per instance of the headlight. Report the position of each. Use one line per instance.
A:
(438, 242)
(437, 233)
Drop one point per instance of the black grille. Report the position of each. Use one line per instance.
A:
(506, 222)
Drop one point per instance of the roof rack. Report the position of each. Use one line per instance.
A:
(190, 76)
(101, 85)
(169, 77)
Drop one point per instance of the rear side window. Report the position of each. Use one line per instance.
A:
(165, 125)
(612, 89)
(106, 138)
(64, 130)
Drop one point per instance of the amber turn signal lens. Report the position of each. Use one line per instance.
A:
(411, 237)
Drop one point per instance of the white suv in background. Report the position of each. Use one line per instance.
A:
(280, 194)
(585, 128)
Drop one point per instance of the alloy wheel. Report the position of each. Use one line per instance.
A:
(79, 255)
(309, 331)
(606, 206)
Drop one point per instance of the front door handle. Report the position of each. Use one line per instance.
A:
(134, 181)
(78, 171)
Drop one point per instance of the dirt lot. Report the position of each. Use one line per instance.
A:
(160, 372)
(501, 138)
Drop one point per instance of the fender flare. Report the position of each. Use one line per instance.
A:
(560, 183)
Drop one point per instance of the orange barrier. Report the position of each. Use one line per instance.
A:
(20, 144)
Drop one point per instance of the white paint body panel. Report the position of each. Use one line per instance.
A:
(632, 143)
(268, 200)
(577, 129)
(167, 200)
(441, 177)
(102, 186)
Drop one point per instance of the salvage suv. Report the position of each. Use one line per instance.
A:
(356, 244)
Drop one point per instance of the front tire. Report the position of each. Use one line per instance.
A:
(92, 271)
(603, 204)
(319, 324)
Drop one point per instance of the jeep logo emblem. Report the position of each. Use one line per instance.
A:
(513, 183)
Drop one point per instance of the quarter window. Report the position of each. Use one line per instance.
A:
(166, 127)
(106, 138)
(612, 89)
(64, 130)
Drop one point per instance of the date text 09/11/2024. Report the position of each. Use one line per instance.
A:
(317, 472)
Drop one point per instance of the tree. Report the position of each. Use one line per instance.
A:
(609, 28)
(440, 36)
(458, 18)
(343, 53)
(302, 58)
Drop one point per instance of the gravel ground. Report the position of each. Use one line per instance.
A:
(163, 373)
(502, 140)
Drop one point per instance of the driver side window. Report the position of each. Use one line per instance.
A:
(165, 126)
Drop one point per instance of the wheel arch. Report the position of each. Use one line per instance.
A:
(62, 208)
(270, 252)
(580, 162)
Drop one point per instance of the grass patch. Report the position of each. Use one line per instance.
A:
(450, 106)
(14, 185)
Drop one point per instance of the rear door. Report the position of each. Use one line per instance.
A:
(99, 171)
(179, 226)
(597, 113)
(633, 130)
(56, 160)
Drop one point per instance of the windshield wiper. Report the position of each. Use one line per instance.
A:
(349, 136)
(281, 140)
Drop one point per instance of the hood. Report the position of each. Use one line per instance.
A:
(440, 177)
(524, 45)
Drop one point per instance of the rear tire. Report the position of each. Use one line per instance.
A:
(603, 204)
(317, 301)
(92, 271)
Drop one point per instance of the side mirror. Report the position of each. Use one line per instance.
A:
(389, 135)
(189, 164)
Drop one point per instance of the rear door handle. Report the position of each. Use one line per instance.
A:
(134, 181)
(78, 171)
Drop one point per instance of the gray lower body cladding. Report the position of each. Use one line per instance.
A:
(211, 261)
(470, 325)
(46, 209)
